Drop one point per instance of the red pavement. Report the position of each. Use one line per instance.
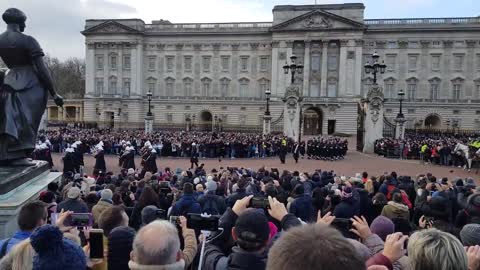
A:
(354, 162)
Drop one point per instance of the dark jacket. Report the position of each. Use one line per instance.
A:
(384, 186)
(186, 204)
(302, 208)
(100, 162)
(238, 195)
(77, 206)
(68, 163)
(217, 201)
(347, 208)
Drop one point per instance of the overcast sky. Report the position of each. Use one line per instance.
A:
(56, 24)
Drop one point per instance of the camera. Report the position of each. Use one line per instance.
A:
(202, 222)
(79, 220)
(257, 202)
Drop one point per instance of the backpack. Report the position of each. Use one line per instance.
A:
(210, 206)
(390, 189)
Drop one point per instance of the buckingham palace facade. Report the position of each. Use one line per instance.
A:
(210, 74)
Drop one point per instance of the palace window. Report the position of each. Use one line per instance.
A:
(412, 62)
(187, 63)
(113, 62)
(411, 89)
(243, 119)
(457, 89)
(390, 88)
(434, 89)
(478, 89)
(112, 88)
(263, 63)
(100, 62)
(391, 62)
(206, 63)
(169, 117)
(244, 83)
(152, 86)
(225, 85)
(206, 85)
(458, 62)
(436, 62)
(316, 62)
(225, 63)
(127, 62)
(314, 88)
(151, 63)
(98, 86)
(332, 88)
(332, 62)
(187, 87)
(170, 63)
(244, 63)
(478, 62)
(263, 85)
(169, 87)
(126, 87)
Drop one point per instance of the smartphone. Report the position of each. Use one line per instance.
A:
(203, 222)
(53, 218)
(96, 243)
(258, 202)
(79, 220)
(344, 225)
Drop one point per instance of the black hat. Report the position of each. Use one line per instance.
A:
(252, 229)
(120, 241)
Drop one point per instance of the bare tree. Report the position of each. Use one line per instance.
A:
(68, 76)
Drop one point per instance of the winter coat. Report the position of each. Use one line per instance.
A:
(238, 195)
(218, 202)
(98, 209)
(302, 208)
(347, 208)
(186, 204)
(77, 206)
(396, 210)
(100, 162)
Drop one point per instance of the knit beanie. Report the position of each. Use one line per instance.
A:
(470, 235)
(120, 241)
(211, 186)
(54, 252)
(149, 214)
(473, 205)
(106, 194)
(382, 226)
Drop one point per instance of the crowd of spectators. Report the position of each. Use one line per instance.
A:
(314, 220)
(438, 149)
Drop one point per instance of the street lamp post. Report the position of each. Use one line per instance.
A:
(214, 126)
(375, 67)
(293, 68)
(149, 116)
(267, 118)
(400, 120)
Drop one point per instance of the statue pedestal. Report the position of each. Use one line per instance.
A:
(267, 124)
(400, 128)
(291, 112)
(373, 118)
(149, 124)
(19, 185)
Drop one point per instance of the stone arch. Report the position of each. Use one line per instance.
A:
(433, 120)
(312, 121)
(206, 119)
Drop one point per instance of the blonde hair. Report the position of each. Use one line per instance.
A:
(369, 186)
(22, 255)
(434, 249)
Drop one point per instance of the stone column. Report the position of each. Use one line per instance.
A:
(400, 128)
(324, 69)
(342, 68)
(90, 69)
(276, 68)
(64, 113)
(267, 123)
(306, 69)
(137, 66)
(358, 67)
(77, 114)
(373, 118)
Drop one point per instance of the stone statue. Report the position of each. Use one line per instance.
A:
(23, 94)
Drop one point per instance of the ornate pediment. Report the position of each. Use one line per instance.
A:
(110, 27)
(318, 20)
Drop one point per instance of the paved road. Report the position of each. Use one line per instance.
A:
(355, 162)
